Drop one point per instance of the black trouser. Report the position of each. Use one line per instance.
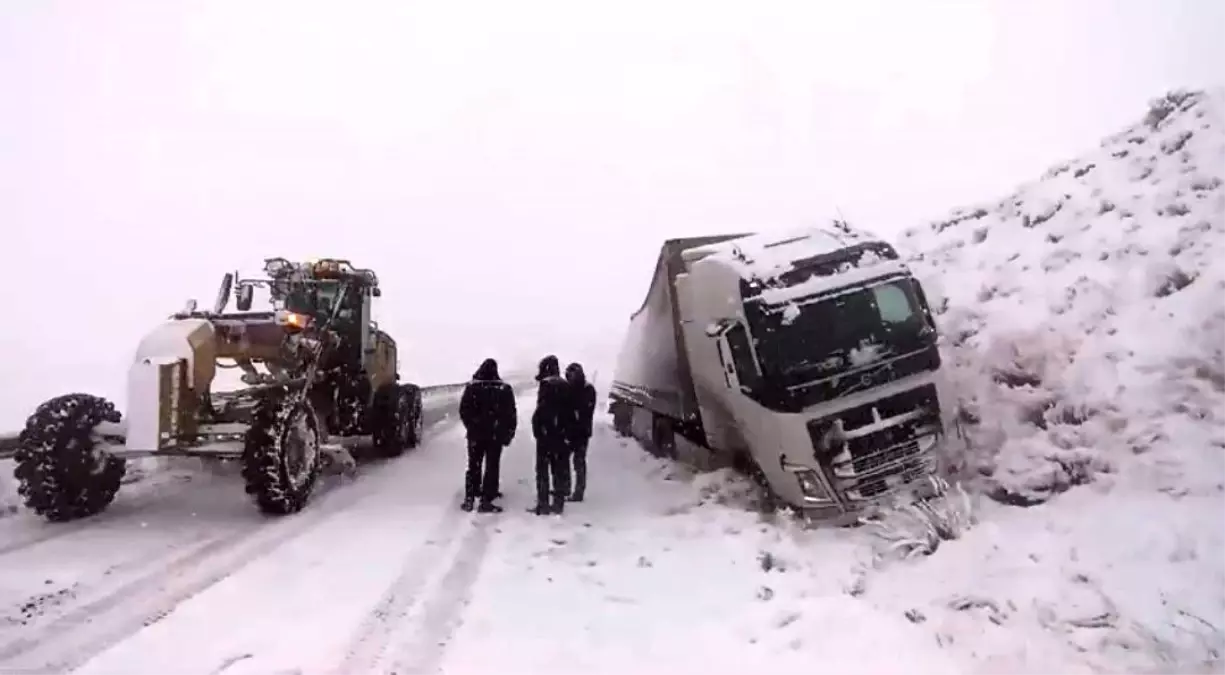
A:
(578, 454)
(552, 466)
(488, 454)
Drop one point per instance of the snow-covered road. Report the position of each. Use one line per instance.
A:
(385, 574)
(660, 570)
(180, 544)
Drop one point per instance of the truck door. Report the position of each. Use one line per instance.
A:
(740, 369)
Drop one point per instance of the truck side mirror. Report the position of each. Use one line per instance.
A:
(376, 292)
(244, 296)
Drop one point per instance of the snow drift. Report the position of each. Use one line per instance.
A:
(1093, 301)
(1083, 319)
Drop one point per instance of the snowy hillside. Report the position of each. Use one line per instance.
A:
(1084, 316)
(1095, 299)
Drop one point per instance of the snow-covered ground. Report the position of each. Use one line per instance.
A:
(1084, 316)
(660, 570)
(385, 574)
(1085, 326)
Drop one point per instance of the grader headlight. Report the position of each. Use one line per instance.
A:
(292, 320)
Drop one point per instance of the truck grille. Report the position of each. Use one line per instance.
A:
(888, 456)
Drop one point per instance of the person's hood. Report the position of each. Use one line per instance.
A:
(487, 371)
(575, 374)
(549, 367)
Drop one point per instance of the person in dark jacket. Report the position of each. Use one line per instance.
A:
(578, 435)
(487, 409)
(549, 424)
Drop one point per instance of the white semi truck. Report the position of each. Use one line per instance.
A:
(808, 360)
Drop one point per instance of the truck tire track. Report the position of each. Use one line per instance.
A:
(129, 507)
(443, 613)
(33, 608)
(373, 636)
(73, 638)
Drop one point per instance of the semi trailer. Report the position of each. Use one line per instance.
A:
(808, 360)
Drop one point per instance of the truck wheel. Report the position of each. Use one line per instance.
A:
(622, 414)
(352, 399)
(766, 497)
(662, 438)
(398, 420)
(416, 422)
(281, 458)
(60, 474)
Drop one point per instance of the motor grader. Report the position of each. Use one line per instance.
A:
(316, 374)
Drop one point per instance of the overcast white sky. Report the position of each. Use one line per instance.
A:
(510, 168)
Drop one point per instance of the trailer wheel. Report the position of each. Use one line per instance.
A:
(663, 438)
(60, 473)
(281, 458)
(767, 500)
(622, 414)
(415, 421)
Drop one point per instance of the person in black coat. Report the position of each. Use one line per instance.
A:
(549, 425)
(487, 409)
(578, 435)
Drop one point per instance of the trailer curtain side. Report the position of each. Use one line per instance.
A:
(653, 366)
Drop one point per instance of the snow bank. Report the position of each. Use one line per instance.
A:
(1084, 318)
(1084, 321)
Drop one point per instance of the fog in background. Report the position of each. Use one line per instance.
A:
(510, 168)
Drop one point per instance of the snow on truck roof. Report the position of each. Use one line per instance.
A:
(768, 261)
(767, 254)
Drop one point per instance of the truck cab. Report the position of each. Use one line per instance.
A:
(811, 358)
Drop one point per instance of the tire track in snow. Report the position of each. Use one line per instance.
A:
(84, 631)
(130, 507)
(443, 613)
(36, 608)
(374, 636)
(127, 507)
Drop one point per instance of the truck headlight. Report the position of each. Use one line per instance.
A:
(810, 484)
(809, 481)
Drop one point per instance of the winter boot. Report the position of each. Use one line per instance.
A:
(541, 509)
(576, 497)
(559, 504)
(488, 507)
(469, 502)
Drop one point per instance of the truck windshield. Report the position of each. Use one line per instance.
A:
(797, 344)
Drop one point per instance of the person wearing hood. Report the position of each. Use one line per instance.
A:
(578, 434)
(550, 421)
(487, 410)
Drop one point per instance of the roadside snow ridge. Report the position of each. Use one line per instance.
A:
(1093, 301)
